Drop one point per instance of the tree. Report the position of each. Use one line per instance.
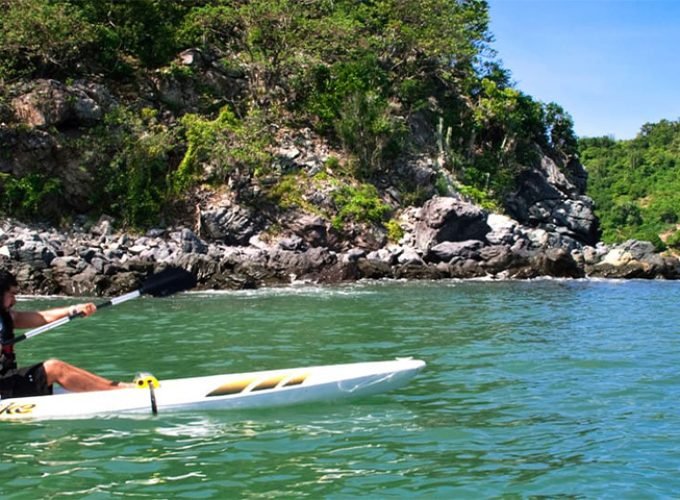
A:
(560, 129)
(635, 183)
(38, 38)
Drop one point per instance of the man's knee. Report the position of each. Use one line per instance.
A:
(54, 366)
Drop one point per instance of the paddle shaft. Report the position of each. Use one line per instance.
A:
(63, 321)
(165, 283)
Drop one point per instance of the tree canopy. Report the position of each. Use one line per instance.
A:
(354, 71)
(636, 183)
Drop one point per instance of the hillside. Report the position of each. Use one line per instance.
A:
(636, 184)
(133, 109)
(261, 141)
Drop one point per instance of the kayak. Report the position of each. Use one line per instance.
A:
(242, 391)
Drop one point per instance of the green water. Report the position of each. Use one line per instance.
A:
(548, 388)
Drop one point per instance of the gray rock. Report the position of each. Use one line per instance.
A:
(552, 193)
(51, 103)
(497, 258)
(47, 104)
(294, 243)
(354, 254)
(191, 243)
(88, 253)
(312, 229)
(448, 250)
(449, 219)
(410, 257)
(638, 250)
(556, 262)
(384, 255)
(300, 264)
(232, 224)
(503, 229)
(25, 152)
(84, 108)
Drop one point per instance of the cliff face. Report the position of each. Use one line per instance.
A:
(306, 217)
(551, 196)
(71, 133)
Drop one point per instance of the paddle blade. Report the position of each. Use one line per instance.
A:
(168, 281)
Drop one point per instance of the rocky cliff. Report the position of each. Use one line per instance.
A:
(254, 233)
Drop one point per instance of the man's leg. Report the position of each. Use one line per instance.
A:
(76, 379)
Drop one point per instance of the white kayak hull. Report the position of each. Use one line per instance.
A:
(264, 389)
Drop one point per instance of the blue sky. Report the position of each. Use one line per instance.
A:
(614, 65)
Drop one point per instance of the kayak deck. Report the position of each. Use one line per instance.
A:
(262, 389)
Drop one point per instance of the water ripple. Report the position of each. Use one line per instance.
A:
(540, 388)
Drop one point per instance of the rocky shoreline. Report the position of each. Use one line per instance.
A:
(239, 238)
(446, 238)
(237, 241)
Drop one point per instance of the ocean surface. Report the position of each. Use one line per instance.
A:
(540, 388)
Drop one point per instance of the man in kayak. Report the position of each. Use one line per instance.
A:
(37, 380)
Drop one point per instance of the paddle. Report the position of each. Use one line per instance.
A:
(167, 282)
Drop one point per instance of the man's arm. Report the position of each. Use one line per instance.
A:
(34, 319)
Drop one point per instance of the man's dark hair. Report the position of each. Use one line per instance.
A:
(7, 281)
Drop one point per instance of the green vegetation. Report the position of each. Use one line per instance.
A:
(137, 186)
(352, 203)
(394, 231)
(359, 74)
(289, 193)
(225, 145)
(67, 38)
(39, 38)
(29, 195)
(130, 158)
(636, 183)
(359, 204)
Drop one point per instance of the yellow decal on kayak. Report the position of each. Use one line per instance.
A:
(273, 382)
(16, 408)
(268, 383)
(296, 380)
(233, 387)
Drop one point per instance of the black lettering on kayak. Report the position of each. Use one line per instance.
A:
(16, 408)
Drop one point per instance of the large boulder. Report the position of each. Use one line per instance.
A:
(504, 230)
(551, 195)
(449, 219)
(556, 262)
(448, 250)
(26, 152)
(230, 223)
(576, 215)
(299, 265)
(311, 229)
(52, 103)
